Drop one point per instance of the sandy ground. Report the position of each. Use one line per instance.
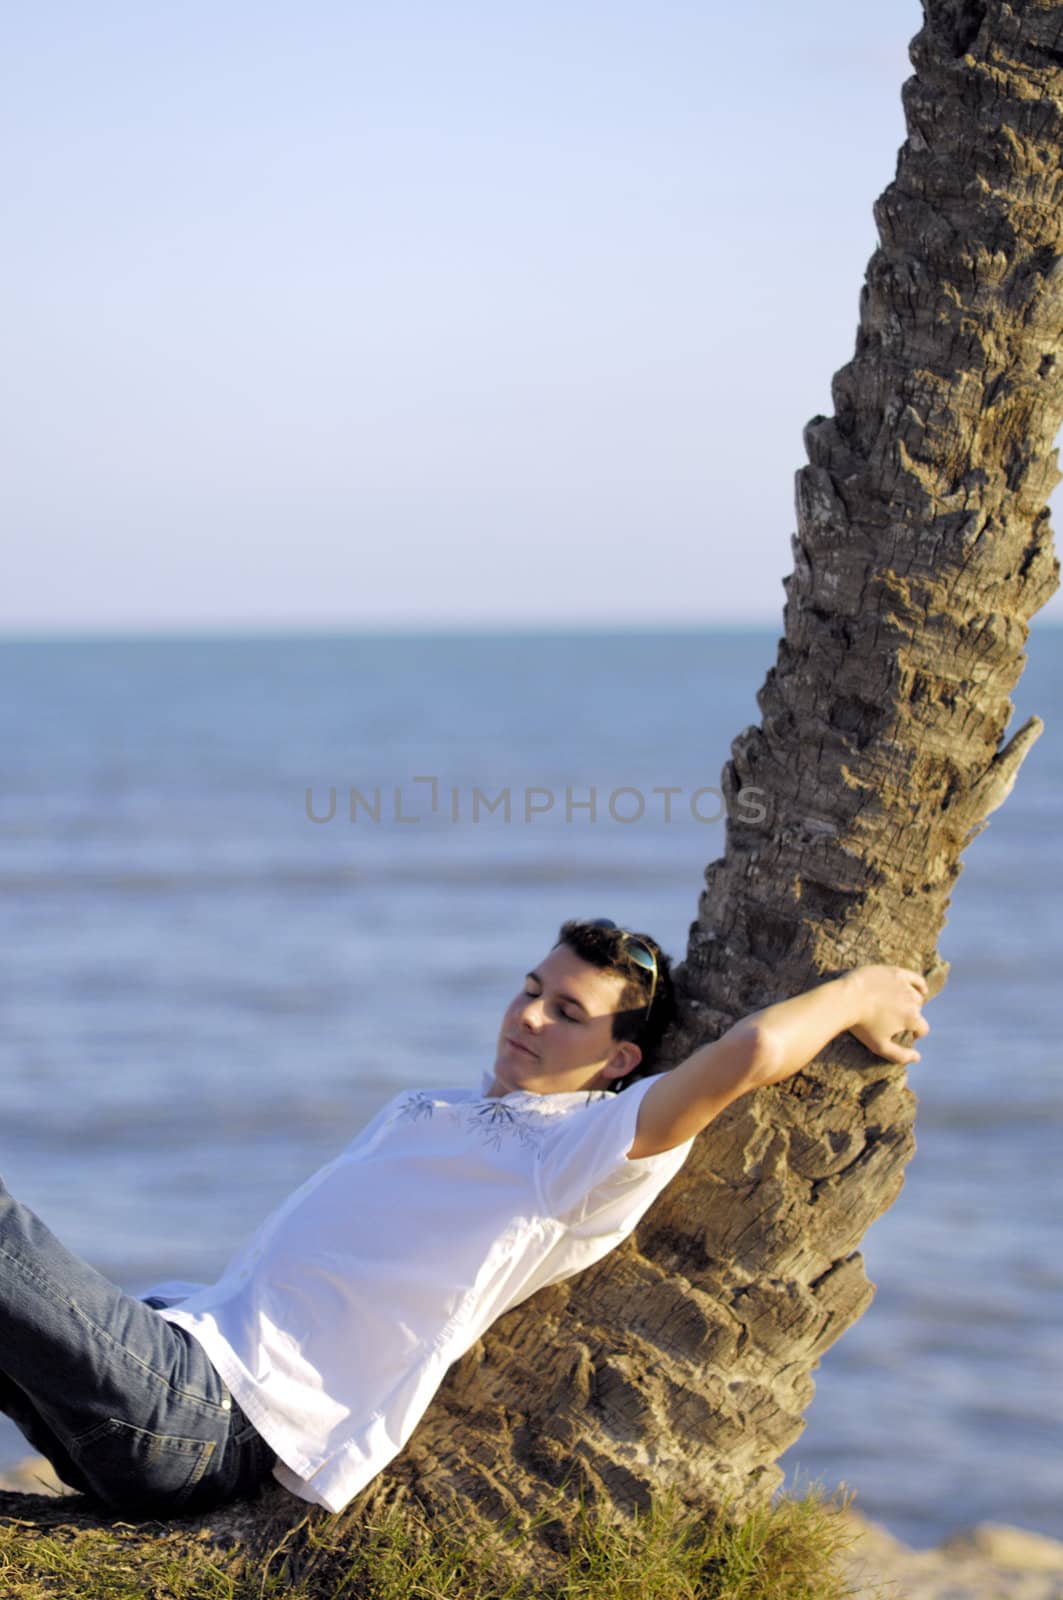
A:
(989, 1561)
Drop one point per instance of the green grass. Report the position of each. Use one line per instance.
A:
(790, 1551)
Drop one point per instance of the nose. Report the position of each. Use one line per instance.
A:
(530, 1013)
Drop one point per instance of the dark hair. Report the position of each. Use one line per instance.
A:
(607, 948)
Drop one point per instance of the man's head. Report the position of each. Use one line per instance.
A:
(583, 1017)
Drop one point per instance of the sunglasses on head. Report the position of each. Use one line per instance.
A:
(638, 950)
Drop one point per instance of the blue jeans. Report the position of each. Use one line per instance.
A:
(126, 1406)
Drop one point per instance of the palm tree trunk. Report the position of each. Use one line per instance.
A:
(923, 548)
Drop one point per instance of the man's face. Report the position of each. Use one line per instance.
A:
(557, 1032)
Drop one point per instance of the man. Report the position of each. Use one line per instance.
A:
(316, 1352)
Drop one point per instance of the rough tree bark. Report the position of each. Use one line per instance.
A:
(923, 548)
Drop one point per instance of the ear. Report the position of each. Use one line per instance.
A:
(624, 1059)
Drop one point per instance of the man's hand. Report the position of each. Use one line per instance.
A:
(890, 1003)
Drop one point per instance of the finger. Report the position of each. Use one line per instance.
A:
(895, 1052)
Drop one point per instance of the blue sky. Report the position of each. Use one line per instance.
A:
(427, 315)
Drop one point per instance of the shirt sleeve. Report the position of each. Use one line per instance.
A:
(585, 1177)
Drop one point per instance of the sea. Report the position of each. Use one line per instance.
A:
(252, 886)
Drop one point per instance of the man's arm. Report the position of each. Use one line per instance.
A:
(874, 1002)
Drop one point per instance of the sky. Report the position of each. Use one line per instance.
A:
(349, 315)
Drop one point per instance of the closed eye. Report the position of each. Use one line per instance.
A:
(566, 1016)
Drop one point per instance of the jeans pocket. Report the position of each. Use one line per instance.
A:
(131, 1468)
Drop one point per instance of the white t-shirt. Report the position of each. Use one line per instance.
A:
(335, 1325)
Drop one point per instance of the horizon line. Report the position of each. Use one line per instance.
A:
(418, 629)
(404, 629)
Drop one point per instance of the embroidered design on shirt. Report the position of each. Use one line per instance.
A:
(417, 1105)
(492, 1120)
